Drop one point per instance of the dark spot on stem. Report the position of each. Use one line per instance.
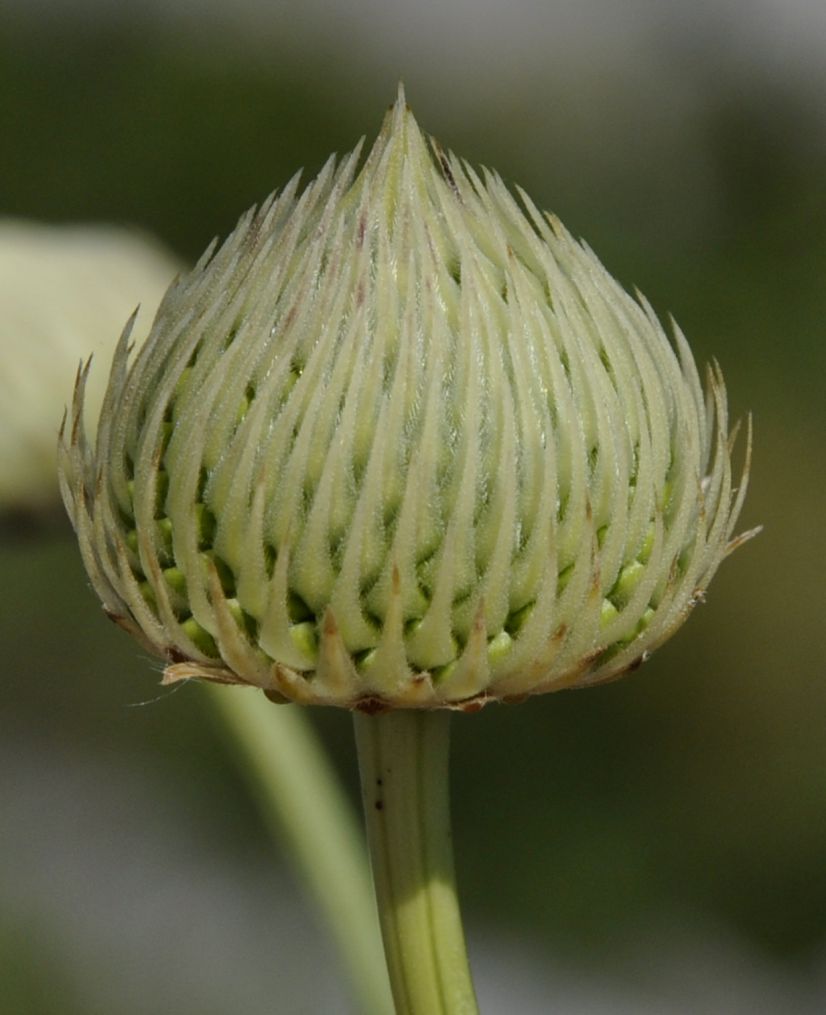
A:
(371, 706)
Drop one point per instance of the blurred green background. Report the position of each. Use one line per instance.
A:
(658, 844)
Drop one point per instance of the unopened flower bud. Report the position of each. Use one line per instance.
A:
(401, 441)
(65, 291)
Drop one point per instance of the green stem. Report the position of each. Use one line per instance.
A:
(403, 759)
(301, 800)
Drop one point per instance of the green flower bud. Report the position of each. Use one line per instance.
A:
(402, 441)
(65, 291)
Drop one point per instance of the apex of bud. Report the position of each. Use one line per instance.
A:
(401, 441)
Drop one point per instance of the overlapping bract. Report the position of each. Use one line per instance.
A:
(402, 441)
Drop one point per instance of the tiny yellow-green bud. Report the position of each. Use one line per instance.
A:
(401, 441)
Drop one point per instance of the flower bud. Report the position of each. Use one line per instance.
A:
(401, 441)
(65, 291)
